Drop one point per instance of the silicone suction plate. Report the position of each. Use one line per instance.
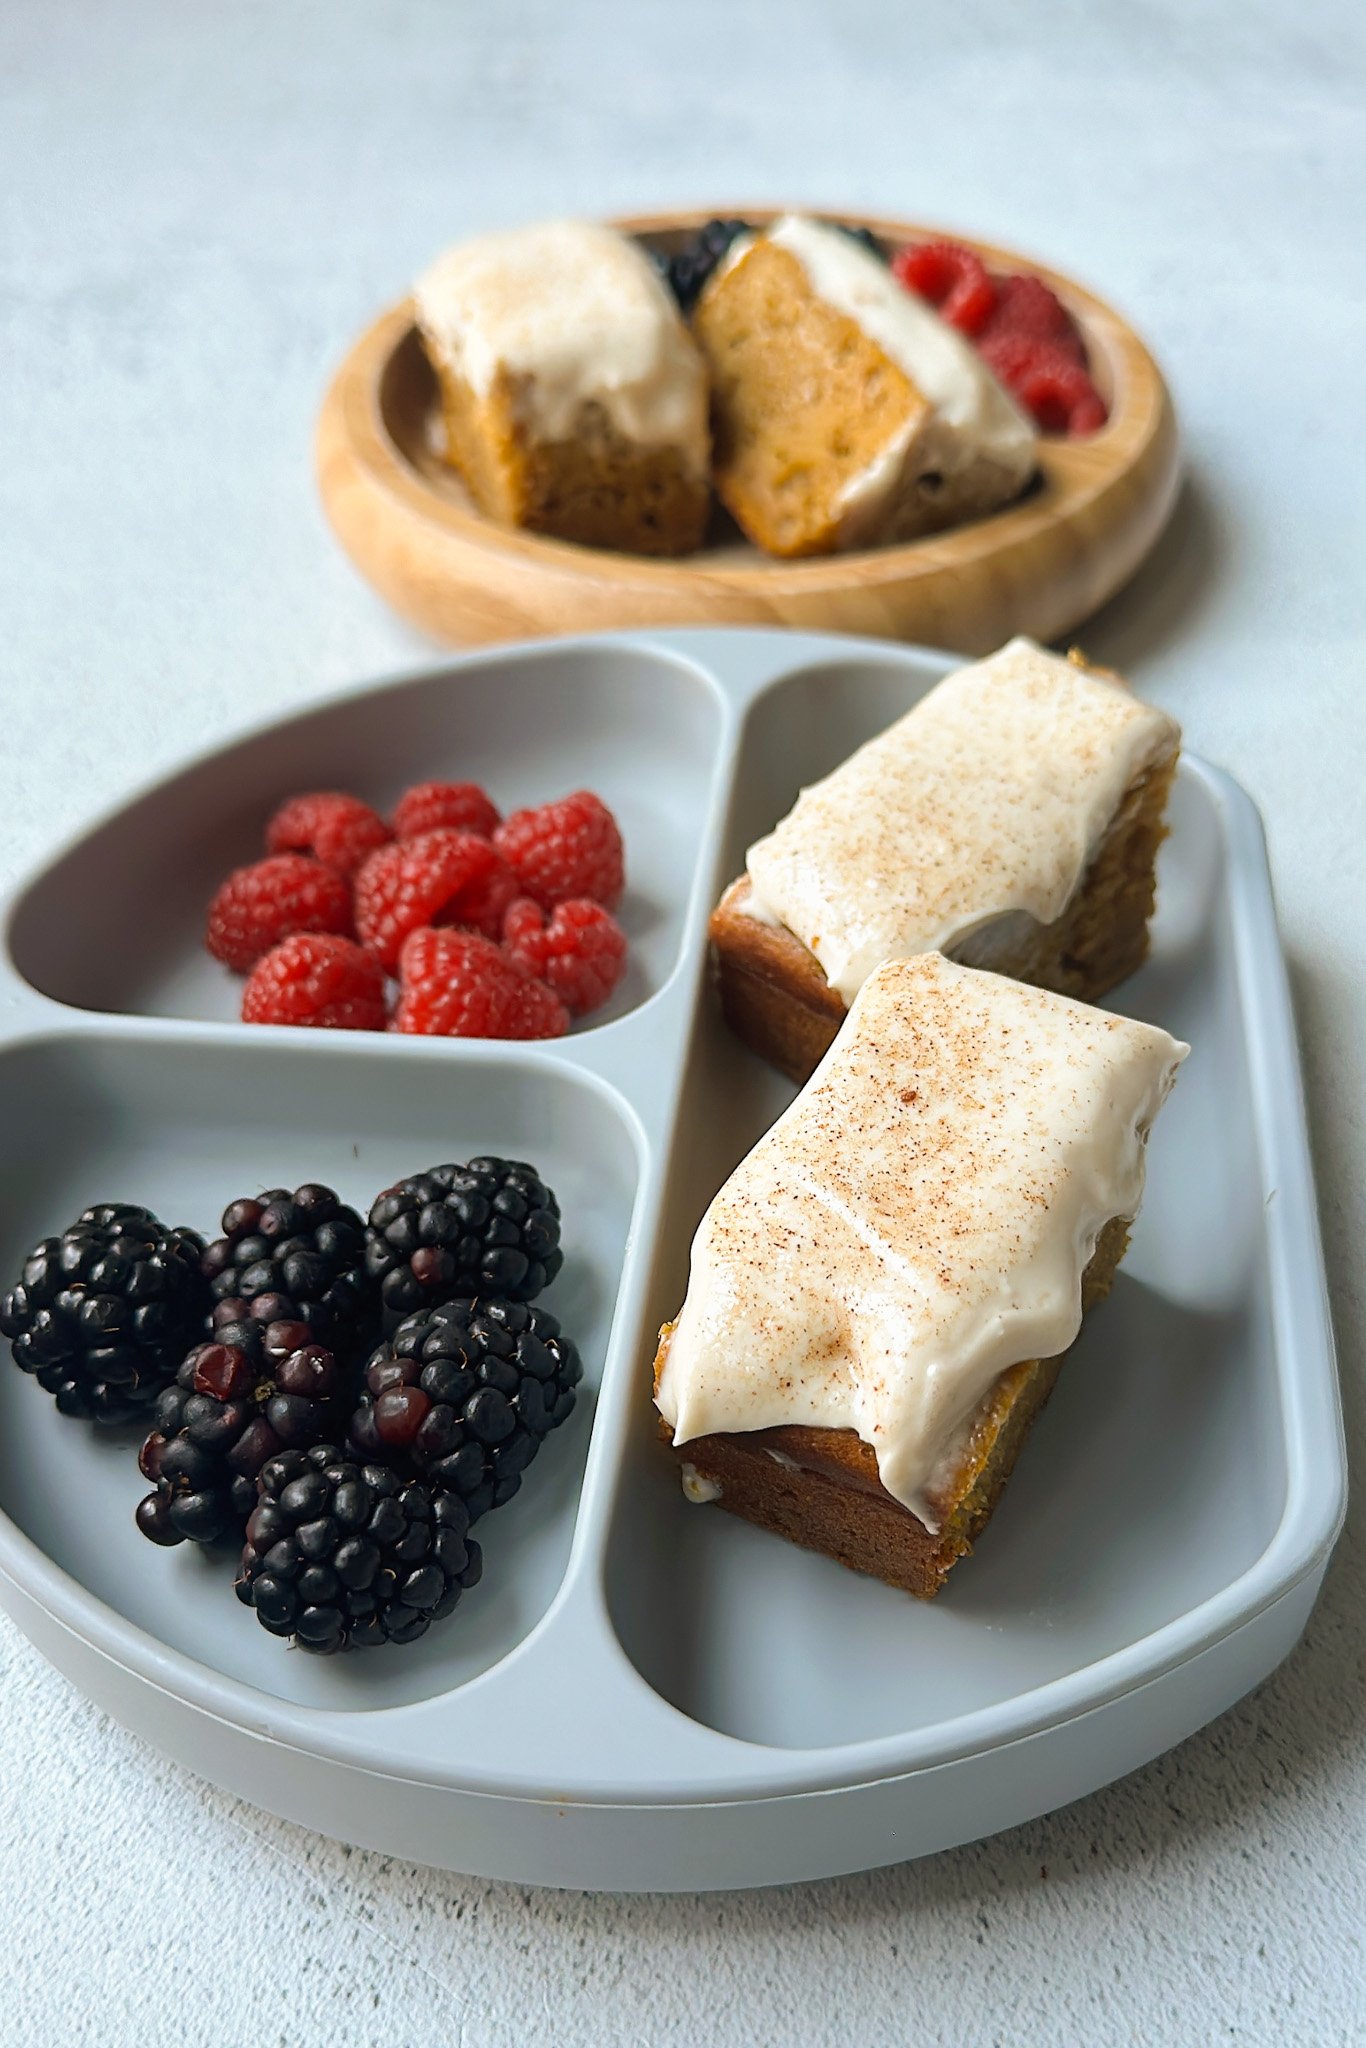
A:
(727, 1710)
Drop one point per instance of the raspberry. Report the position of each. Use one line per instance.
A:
(484, 904)
(439, 878)
(954, 279)
(1048, 382)
(1060, 395)
(1088, 414)
(315, 979)
(337, 829)
(579, 953)
(1026, 305)
(1008, 356)
(461, 985)
(461, 805)
(563, 850)
(260, 905)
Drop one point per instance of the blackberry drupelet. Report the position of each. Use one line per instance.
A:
(102, 1315)
(465, 1394)
(258, 1386)
(686, 271)
(342, 1555)
(490, 1227)
(307, 1245)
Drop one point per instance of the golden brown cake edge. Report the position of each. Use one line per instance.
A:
(819, 1488)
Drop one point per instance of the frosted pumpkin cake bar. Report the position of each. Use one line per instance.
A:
(573, 397)
(847, 413)
(882, 1294)
(1011, 819)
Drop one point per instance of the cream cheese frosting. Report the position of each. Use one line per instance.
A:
(974, 416)
(919, 1219)
(987, 801)
(579, 313)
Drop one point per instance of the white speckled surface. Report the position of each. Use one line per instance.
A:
(199, 206)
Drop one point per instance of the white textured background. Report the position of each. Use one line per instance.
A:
(200, 204)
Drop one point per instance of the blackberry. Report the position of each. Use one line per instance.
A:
(259, 1385)
(465, 1394)
(490, 1227)
(865, 238)
(341, 1555)
(688, 268)
(306, 1245)
(102, 1315)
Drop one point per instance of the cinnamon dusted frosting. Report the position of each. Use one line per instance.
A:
(974, 417)
(577, 311)
(988, 800)
(919, 1220)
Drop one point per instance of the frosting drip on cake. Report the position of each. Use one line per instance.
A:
(576, 313)
(974, 416)
(990, 798)
(919, 1220)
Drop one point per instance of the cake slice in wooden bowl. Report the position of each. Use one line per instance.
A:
(573, 397)
(1011, 819)
(847, 413)
(882, 1294)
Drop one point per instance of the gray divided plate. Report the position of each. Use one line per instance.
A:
(644, 1694)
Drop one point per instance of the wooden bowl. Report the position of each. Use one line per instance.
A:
(1038, 567)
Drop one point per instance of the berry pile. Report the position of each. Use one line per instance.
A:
(1019, 326)
(348, 1474)
(448, 899)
